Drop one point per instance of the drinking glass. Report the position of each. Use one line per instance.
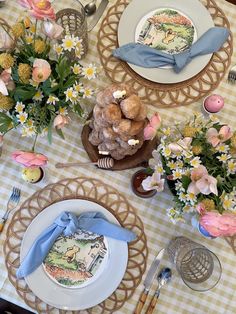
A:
(199, 268)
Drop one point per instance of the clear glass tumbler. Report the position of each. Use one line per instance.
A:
(199, 268)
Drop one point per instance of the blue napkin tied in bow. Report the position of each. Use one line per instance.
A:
(67, 223)
(147, 57)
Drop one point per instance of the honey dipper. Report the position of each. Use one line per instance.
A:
(103, 163)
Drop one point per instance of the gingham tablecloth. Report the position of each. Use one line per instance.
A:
(176, 298)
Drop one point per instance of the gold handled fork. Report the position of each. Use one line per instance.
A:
(11, 204)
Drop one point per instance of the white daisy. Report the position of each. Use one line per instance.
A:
(166, 131)
(79, 42)
(79, 51)
(28, 131)
(177, 174)
(166, 152)
(227, 203)
(53, 83)
(231, 167)
(78, 87)
(222, 148)
(38, 96)
(63, 111)
(22, 117)
(195, 162)
(69, 42)
(77, 69)
(179, 186)
(223, 158)
(172, 165)
(52, 100)
(89, 72)
(88, 92)
(58, 49)
(71, 94)
(29, 38)
(19, 106)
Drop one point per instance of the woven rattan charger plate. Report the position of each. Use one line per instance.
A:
(95, 191)
(163, 95)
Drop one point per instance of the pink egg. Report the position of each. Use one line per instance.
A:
(213, 103)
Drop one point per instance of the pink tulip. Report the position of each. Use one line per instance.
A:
(214, 137)
(196, 174)
(207, 184)
(6, 41)
(219, 225)
(6, 82)
(154, 182)
(40, 9)
(182, 144)
(52, 29)
(60, 121)
(154, 124)
(29, 159)
(201, 209)
(41, 70)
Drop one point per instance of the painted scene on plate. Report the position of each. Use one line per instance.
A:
(75, 260)
(167, 30)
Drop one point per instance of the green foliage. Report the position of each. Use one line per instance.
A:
(5, 122)
(22, 93)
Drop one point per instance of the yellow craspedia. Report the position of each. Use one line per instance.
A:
(232, 151)
(24, 72)
(197, 149)
(233, 140)
(6, 60)
(18, 30)
(39, 46)
(6, 103)
(208, 204)
(189, 131)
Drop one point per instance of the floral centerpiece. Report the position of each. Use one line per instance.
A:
(198, 158)
(39, 84)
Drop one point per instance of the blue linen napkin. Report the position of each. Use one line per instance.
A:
(147, 57)
(67, 223)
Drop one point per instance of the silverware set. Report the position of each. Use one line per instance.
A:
(163, 277)
(11, 204)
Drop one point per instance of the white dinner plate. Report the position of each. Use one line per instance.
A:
(81, 298)
(139, 10)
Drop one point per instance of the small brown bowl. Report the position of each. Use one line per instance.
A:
(136, 184)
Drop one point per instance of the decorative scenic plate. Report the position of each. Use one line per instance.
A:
(167, 30)
(169, 25)
(76, 261)
(105, 279)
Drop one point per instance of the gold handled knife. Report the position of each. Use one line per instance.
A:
(148, 281)
(96, 17)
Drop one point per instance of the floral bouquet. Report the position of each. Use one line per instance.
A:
(39, 84)
(198, 158)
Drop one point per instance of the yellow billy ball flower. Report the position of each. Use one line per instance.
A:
(6, 60)
(18, 30)
(233, 140)
(189, 131)
(208, 204)
(39, 46)
(24, 72)
(6, 103)
(197, 149)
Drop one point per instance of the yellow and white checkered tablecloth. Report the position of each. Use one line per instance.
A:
(176, 298)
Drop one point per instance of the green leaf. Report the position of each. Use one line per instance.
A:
(24, 93)
(185, 181)
(77, 109)
(5, 122)
(46, 87)
(50, 132)
(60, 133)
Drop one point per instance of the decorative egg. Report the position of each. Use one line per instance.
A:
(213, 103)
(32, 175)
